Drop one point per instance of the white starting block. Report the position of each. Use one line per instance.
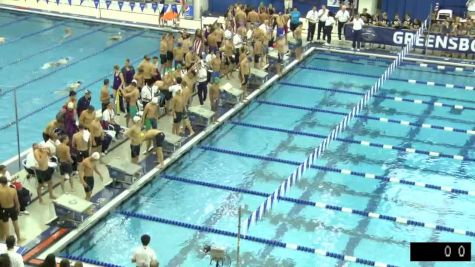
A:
(123, 171)
(230, 95)
(260, 74)
(71, 208)
(172, 142)
(200, 115)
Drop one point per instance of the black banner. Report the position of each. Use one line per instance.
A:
(398, 37)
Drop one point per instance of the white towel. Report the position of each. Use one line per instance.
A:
(86, 134)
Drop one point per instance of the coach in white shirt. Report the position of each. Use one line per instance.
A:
(357, 27)
(342, 16)
(144, 256)
(312, 18)
(322, 18)
(16, 259)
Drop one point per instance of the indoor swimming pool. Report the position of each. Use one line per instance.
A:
(33, 41)
(402, 172)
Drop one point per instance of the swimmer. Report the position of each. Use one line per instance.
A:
(68, 32)
(71, 87)
(2, 40)
(116, 37)
(55, 64)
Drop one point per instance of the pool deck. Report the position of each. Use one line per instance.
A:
(43, 237)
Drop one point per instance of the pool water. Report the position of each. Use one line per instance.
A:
(35, 40)
(227, 157)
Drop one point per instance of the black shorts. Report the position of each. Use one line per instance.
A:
(9, 213)
(163, 58)
(179, 117)
(82, 155)
(44, 176)
(98, 141)
(134, 151)
(169, 56)
(280, 58)
(256, 58)
(168, 95)
(246, 79)
(90, 183)
(159, 138)
(65, 168)
(293, 26)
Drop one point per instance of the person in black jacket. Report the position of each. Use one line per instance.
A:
(84, 102)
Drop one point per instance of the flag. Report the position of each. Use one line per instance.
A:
(96, 3)
(69, 2)
(80, 3)
(142, 6)
(121, 4)
(132, 5)
(108, 3)
(154, 6)
(57, 2)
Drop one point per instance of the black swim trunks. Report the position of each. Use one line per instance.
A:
(8, 213)
(89, 183)
(179, 117)
(280, 58)
(65, 168)
(134, 150)
(246, 79)
(159, 138)
(169, 55)
(163, 58)
(44, 176)
(82, 155)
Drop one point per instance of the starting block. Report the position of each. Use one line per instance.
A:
(200, 116)
(172, 142)
(259, 74)
(123, 171)
(70, 208)
(230, 95)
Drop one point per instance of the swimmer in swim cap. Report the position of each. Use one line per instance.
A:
(134, 133)
(116, 37)
(2, 40)
(86, 173)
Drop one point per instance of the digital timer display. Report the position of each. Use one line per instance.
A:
(441, 251)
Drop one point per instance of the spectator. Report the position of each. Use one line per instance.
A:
(65, 263)
(397, 24)
(294, 20)
(144, 256)
(83, 102)
(322, 17)
(327, 32)
(407, 24)
(5, 260)
(366, 16)
(16, 259)
(50, 261)
(312, 18)
(384, 20)
(357, 27)
(342, 16)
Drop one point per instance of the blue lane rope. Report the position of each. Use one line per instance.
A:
(89, 261)
(382, 178)
(71, 64)
(33, 33)
(13, 22)
(381, 119)
(429, 83)
(274, 243)
(50, 48)
(394, 98)
(406, 63)
(407, 150)
(63, 98)
(363, 213)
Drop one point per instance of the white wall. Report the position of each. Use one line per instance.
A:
(371, 5)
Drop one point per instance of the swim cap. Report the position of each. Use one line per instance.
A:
(155, 100)
(70, 105)
(134, 81)
(137, 119)
(96, 155)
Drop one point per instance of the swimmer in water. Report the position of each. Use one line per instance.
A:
(55, 64)
(71, 87)
(68, 32)
(116, 37)
(2, 40)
